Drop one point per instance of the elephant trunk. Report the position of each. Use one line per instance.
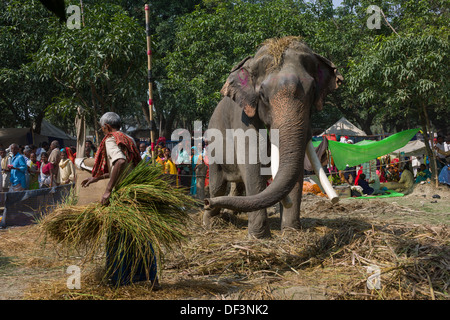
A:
(293, 131)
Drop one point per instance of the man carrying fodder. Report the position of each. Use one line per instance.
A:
(139, 211)
(116, 157)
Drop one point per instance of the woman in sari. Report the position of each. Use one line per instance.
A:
(196, 158)
(45, 176)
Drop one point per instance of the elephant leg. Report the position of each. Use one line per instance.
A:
(217, 188)
(258, 225)
(290, 217)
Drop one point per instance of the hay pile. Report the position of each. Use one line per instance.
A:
(330, 254)
(335, 254)
(146, 214)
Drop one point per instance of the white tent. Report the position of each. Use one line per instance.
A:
(412, 148)
(343, 127)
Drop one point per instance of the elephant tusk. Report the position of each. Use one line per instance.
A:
(274, 166)
(317, 166)
(274, 159)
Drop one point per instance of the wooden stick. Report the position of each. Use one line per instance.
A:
(150, 93)
(317, 166)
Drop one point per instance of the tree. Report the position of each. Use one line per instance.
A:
(24, 96)
(216, 36)
(101, 66)
(410, 74)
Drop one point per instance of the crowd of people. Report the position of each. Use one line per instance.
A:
(184, 168)
(394, 173)
(29, 167)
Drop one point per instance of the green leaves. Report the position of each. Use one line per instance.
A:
(98, 64)
(47, 69)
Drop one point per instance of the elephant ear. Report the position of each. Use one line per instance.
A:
(240, 87)
(328, 79)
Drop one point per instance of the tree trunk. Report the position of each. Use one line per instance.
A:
(168, 128)
(145, 111)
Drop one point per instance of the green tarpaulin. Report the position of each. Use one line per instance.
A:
(316, 143)
(391, 194)
(354, 154)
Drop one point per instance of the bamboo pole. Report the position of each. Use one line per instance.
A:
(150, 93)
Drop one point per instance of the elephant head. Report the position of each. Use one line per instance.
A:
(281, 84)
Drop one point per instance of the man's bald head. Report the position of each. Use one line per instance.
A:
(54, 144)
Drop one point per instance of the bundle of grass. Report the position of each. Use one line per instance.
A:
(146, 214)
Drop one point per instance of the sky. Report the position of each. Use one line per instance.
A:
(337, 2)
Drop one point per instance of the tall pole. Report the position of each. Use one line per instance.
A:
(150, 93)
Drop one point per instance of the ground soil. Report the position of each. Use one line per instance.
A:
(199, 269)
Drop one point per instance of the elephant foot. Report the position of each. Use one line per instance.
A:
(260, 235)
(291, 225)
(258, 225)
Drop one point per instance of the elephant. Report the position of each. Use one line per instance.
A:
(277, 88)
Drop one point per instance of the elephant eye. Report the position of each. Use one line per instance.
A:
(262, 95)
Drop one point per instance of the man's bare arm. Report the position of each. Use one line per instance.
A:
(119, 166)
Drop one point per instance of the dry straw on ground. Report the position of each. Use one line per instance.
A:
(331, 253)
(334, 255)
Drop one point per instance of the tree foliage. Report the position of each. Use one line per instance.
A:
(47, 70)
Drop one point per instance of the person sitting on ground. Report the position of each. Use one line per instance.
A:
(367, 190)
(423, 174)
(392, 174)
(375, 184)
(349, 175)
(444, 175)
(406, 182)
